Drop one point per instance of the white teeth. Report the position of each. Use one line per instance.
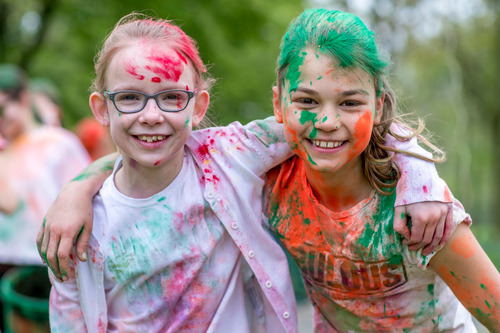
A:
(153, 138)
(326, 144)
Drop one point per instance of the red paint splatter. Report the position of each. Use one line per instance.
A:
(182, 57)
(166, 67)
(424, 188)
(157, 162)
(203, 151)
(131, 69)
(187, 88)
(156, 79)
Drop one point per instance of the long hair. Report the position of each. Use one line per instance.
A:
(347, 40)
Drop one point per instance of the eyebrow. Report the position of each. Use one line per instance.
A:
(342, 93)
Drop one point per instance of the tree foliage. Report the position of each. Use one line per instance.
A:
(239, 41)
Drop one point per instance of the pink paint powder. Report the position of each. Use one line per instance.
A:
(156, 79)
(182, 57)
(131, 69)
(166, 67)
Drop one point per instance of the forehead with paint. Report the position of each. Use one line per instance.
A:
(342, 36)
(151, 66)
(319, 73)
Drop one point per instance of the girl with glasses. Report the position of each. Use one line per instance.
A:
(177, 242)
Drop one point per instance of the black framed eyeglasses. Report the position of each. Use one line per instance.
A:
(130, 101)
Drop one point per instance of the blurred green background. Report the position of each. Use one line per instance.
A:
(444, 55)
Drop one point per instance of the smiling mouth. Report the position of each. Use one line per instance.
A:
(151, 138)
(326, 144)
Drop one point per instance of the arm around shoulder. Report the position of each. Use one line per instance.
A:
(70, 217)
(471, 275)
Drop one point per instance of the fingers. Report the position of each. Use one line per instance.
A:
(417, 224)
(448, 225)
(436, 237)
(63, 257)
(82, 243)
(400, 222)
(39, 240)
(51, 255)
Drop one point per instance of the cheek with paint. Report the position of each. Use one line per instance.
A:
(362, 133)
(308, 116)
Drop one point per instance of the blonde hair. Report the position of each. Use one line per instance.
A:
(136, 26)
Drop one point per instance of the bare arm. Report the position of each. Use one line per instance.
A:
(471, 275)
(69, 218)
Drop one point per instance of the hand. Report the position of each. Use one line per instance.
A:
(68, 219)
(424, 224)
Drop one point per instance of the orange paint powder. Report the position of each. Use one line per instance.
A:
(462, 247)
(362, 132)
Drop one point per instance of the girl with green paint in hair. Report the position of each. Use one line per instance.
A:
(332, 205)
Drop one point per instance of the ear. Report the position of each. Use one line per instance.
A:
(379, 109)
(202, 100)
(278, 113)
(99, 108)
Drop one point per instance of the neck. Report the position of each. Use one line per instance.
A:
(340, 190)
(137, 181)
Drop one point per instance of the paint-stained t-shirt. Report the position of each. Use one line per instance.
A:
(39, 164)
(228, 165)
(358, 274)
(194, 257)
(167, 259)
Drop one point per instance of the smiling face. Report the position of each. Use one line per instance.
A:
(151, 138)
(329, 117)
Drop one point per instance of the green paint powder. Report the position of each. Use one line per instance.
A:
(430, 288)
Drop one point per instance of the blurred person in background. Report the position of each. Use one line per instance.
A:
(36, 160)
(46, 101)
(94, 137)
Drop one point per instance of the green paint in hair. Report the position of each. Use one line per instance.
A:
(342, 36)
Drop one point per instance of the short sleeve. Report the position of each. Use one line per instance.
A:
(416, 257)
(419, 178)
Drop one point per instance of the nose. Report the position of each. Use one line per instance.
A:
(151, 114)
(328, 119)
